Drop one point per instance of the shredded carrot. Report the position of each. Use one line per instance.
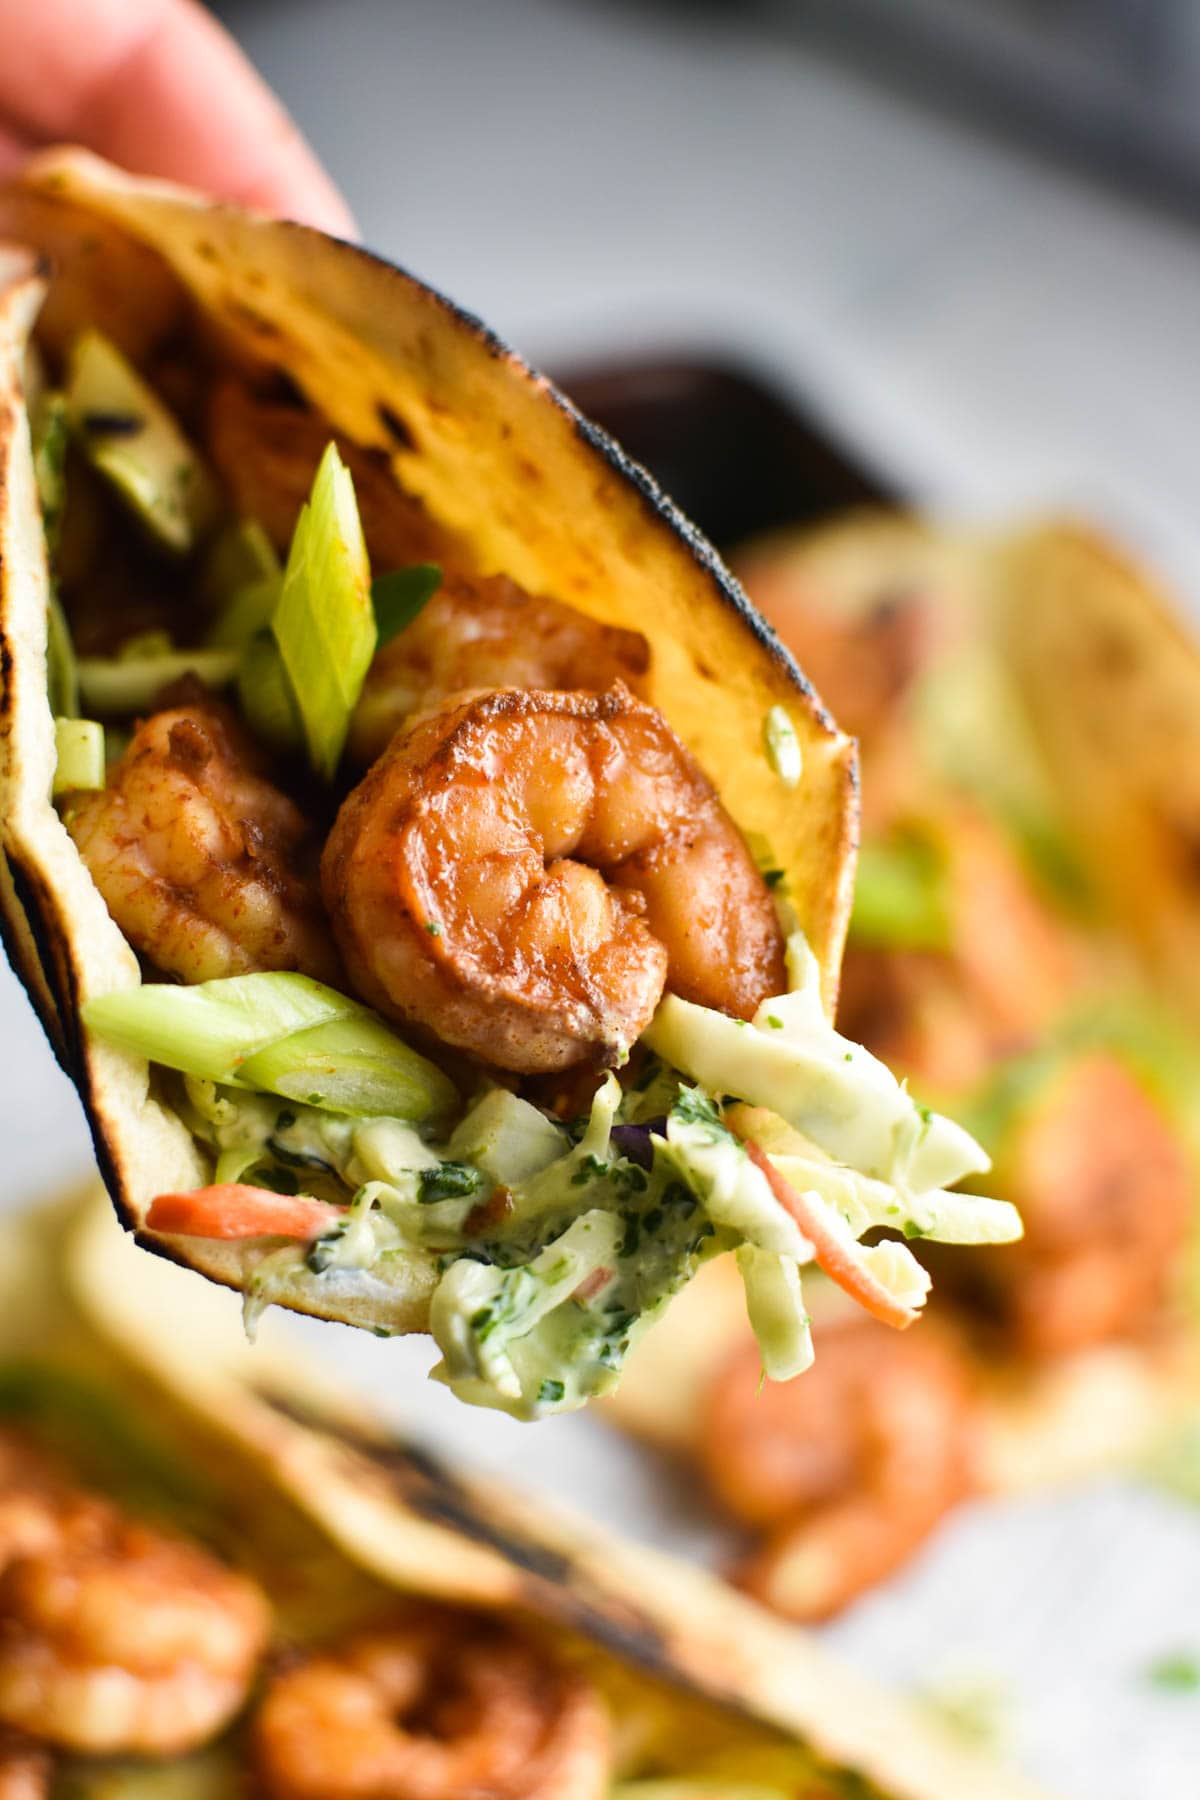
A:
(841, 1262)
(232, 1210)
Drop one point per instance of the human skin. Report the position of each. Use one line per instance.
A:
(161, 88)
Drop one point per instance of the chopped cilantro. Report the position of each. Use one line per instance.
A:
(649, 1075)
(320, 1254)
(774, 1022)
(433, 928)
(551, 1392)
(590, 1169)
(692, 1107)
(400, 595)
(448, 1181)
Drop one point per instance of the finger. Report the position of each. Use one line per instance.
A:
(159, 87)
(14, 150)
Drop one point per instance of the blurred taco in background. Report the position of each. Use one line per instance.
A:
(220, 1579)
(1020, 705)
(414, 841)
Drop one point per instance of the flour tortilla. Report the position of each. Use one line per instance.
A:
(650, 1625)
(499, 460)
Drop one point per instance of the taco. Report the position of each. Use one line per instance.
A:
(348, 899)
(236, 1585)
(1013, 696)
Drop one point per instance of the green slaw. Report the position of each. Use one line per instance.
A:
(551, 1247)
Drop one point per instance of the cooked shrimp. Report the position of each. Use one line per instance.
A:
(266, 452)
(140, 1643)
(1106, 1194)
(438, 1707)
(489, 633)
(850, 1467)
(113, 1636)
(521, 873)
(25, 1768)
(199, 859)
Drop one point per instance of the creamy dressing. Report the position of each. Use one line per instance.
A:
(553, 1249)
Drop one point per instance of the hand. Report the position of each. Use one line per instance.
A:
(159, 87)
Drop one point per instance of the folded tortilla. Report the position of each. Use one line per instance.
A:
(495, 456)
(714, 1691)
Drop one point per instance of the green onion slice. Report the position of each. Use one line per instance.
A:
(247, 612)
(51, 430)
(127, 433)
(400, 596)
(79, 747)
(241, 554)
(128, 684)
(241, 582)
(782, 747)
(280, 1033)
(265, 693)
(324, 623)
(62, 670)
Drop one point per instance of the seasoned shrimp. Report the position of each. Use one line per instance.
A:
(850, 1468)
(437, 1707)
(199, 859)
(488, 632)
(1106, 1194)
(113, 1636)
(266, 452)
(522, 873)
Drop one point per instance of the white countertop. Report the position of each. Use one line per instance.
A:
(994, 333)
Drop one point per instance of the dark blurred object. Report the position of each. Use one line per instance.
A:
(1114, 83)
(736, 456)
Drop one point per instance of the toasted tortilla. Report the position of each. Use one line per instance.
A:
(647, 1625)
(497, 458)
(1111, 679)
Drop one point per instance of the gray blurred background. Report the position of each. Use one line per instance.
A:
(965, 232)
(963, 227)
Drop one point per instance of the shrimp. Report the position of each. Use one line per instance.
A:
(115, 1637)
(522, 873)
(488, 632)
(1106, 1194)
(849, 1469)
(439, 1706)
(199, 859)
(266, 452)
